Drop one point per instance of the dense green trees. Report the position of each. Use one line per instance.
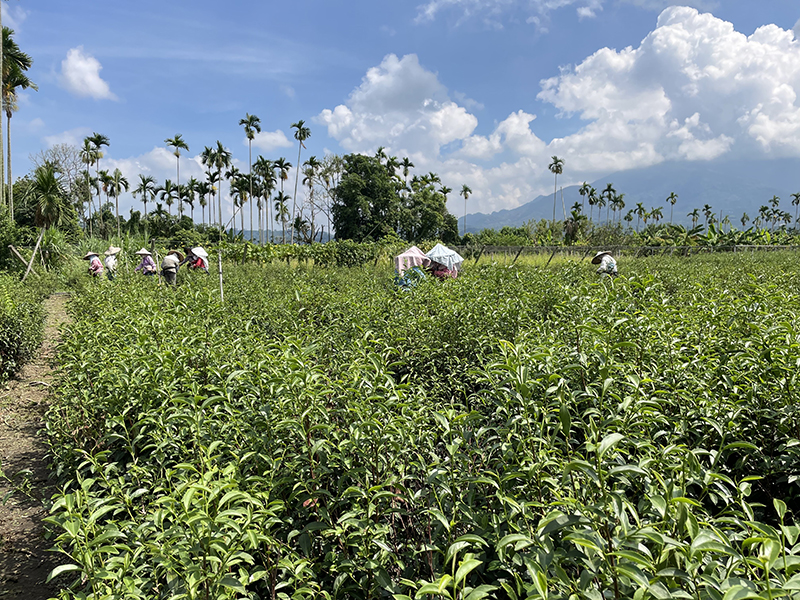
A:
(372, 203)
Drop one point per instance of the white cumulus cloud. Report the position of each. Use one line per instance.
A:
(399, 104)
(80, 75)
(695, 88)
(271, 140)
(74, 137)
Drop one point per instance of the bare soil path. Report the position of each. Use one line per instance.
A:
(24, 558)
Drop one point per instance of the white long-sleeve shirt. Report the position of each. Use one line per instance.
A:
(608, 265)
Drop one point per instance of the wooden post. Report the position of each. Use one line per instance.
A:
(21, 259)
(517, 256)
(33, 256)
(480, 254)
(551, 257)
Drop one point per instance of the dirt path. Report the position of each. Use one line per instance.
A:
(24, 559)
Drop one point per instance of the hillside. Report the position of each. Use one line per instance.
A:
(732, 187)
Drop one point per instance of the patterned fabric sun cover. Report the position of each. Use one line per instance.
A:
(413, 257)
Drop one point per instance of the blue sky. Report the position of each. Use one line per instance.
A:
(482, 92)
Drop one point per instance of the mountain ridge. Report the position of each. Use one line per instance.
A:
(730, 187)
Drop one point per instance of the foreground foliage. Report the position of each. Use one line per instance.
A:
(513, 433)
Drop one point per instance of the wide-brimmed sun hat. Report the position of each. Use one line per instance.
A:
(143, 252)
(89, 255)
(200, 251)
(598, 257)
(112, 250)
(176, 253)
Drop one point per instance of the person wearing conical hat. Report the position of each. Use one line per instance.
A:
(111, 261)
(608, 266)
(147, 266)
(169, 266)
(196, 259)
(95, 266)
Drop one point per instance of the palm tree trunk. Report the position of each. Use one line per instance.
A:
(178, 187)
(219, 251)
(10, 179)
(250, 156)
(116, 205)
(296, 181)
(2, 179)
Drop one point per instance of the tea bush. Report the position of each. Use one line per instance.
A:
(21, 323)
(513, 433)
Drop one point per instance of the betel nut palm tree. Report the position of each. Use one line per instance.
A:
(178, 144)
(795, 203)
(672, 199)
(147, 188)
(465, 191)
(301, 134)
(10, 57)
(556, 167)
(203, 190)
(608, 193)
(220, 158)
(252, 125)
(265, 171)
(118, 183)
(168, 193)
(88, 154)
(98, 140)
(14, 78)
(584, 191)
(282, 211)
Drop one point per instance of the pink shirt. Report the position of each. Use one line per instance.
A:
(95, 266)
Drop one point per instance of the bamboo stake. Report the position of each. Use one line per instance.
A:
(21, 259)
(33, 256)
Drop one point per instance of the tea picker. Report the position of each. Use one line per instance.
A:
(608, 266)
(111, 261)
(95, 266)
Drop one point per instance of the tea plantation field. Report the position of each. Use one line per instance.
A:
(514, 433)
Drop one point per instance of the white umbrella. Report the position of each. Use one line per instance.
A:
(445, 256)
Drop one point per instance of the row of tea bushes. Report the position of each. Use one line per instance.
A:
(514, 433)
(21, 324)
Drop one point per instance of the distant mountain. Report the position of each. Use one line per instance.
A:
(733, 187)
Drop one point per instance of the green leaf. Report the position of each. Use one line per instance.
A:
(234, 584)
(739, 592)
(61, 569)
(482, 591)
(564, 416)
(440, 517)
(780, 507)
(608, 442)
(465, 568)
